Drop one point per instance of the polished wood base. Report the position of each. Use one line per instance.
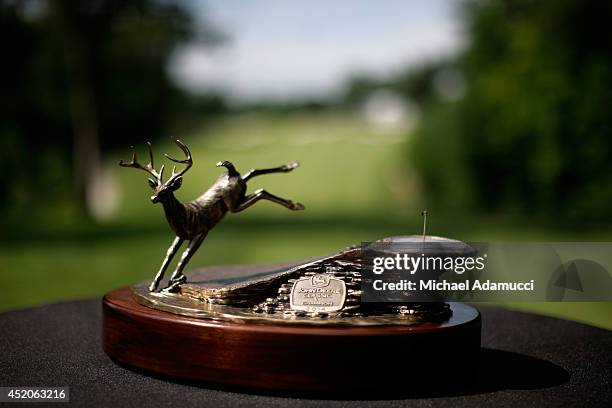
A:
(293, 358)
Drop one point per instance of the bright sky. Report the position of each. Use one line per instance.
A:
(290, 49)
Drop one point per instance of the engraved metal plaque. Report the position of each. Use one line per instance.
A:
(318, 293)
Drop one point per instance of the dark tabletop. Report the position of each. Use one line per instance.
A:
(526, 360)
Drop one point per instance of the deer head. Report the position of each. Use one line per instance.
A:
(162, 190)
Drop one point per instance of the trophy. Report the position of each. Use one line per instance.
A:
(298, 327)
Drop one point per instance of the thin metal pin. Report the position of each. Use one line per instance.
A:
(424, 214)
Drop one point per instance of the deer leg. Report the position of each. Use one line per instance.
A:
(169, 255)
(282, 169)
(177, 276)
(264, 195)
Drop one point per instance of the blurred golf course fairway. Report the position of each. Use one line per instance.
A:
(355, 181)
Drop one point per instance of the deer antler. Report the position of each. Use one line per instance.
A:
(188, 160)
(148, 167)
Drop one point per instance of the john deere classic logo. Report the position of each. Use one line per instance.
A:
(318, 293)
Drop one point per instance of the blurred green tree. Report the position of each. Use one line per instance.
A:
(533, 132)
(80, 78)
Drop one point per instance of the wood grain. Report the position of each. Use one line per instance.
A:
(292, 358)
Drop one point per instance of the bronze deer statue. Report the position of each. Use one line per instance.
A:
(192, 221)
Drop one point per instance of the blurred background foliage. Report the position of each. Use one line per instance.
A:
(520, 118)
(538, 80)
(509, 138)
(83, 77)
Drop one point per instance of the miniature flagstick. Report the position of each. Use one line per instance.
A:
(424, 214)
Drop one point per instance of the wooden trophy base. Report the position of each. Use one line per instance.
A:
(353, 359)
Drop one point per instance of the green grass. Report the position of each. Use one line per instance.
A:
(355, 183)
(346, 168)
